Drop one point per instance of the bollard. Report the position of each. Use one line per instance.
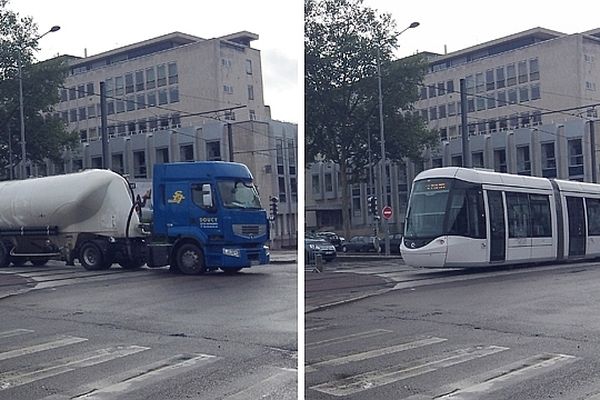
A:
(318, 263)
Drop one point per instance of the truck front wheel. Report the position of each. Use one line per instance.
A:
(190, 259)
(92, 258)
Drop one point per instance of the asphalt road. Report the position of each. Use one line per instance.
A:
(514, 333)
(149, 334)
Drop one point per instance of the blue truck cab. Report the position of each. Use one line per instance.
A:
(208, 215)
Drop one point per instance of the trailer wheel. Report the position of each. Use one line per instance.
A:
(4, 256)
(190, 259)
(92, 258)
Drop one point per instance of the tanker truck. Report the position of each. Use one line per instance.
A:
(203, 216)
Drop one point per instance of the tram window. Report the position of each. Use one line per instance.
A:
(541, 225)
(593, 213)
(466, 216)
(518, 215)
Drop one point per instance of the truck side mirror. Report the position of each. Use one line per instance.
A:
(207, 198)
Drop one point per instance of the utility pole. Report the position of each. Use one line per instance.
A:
(466, 156)
(230, 140)
(103, 123)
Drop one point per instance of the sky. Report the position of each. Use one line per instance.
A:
(99, 26)
(459, 24)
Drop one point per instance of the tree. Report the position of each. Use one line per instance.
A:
(46, 136)
(343, 40)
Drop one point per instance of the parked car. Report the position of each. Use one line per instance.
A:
(312, 247)
(362, 243)
(395, 241)
(332, 238)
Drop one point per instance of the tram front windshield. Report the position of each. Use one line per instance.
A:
(444, 206)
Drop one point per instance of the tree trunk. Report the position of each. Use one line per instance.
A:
(345, 196)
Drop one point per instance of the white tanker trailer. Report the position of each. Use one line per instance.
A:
(67, 217)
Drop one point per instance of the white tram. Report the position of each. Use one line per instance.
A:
(460, 218)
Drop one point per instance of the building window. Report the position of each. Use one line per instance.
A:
(316, 184)
(213, 150)
(535, 92)
(83, 136)
(139, 164)
(151, 98)
(228, 89)
(575, 158)
(173, 74)
(480, 103)
(431, 91)
(129, 83)
(523, 94)
(433, 113)
(162, 155)
(423, 95)
(534, 69)
(548, 160)
(119, 86)
(91, 111)
(150, 78)
(451, 109)
(162, 97)
(512, 96)
(139, 81)
(120, 106)
(477, 159)
(442, 111)
(328, 182)
(80, 91)
(522, 70)
(282, 191)
(117, 163)
(249, 67)
(130, 103)
(500, 160)
(90, 89)
(501, 96)
(173, 94)
(490, 83)
(186, 152)
(161, 73)
(140, 101)
(450, 86)
(440, 88)
(73, 115)
(456, 161)
(96, 162)
(250, 92)
(523, 160)
(64, 95)
(479, 83)
(82, 113)
(500, 80)
(511, 75)
(72, 93)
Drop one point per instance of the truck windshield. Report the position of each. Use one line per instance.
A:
(445, 207)
(238, 194)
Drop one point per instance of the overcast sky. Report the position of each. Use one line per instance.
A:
(104, 25)
(459, 24)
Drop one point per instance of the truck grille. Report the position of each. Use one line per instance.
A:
(249, 231)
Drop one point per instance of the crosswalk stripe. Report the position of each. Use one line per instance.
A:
(341, 339)
(14, 332)
(474, 387)
(16, 378)
(378, 352)
(269, 387)
(372, 379)
(63, 341)
(140, 376)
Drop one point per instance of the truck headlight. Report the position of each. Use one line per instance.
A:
(232, 252)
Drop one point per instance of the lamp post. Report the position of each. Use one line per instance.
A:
(21, 109)
(383, 174)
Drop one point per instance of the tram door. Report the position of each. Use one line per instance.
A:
(576, 219)
(497, 226)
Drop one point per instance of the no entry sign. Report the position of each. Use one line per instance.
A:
(387, 212)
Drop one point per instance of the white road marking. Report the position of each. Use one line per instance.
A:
(14, 332)
(140, 376)
(269, 387)
(63, 341)
(475, 387)
(373, 379)
(341, 339)
(378, 352)
(16, 378)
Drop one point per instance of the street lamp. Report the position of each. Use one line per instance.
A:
(21, 111)
(383, 174)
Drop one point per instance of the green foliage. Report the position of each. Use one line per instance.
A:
(45, 134)
(343, 39)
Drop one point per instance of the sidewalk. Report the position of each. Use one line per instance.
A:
(284, 256)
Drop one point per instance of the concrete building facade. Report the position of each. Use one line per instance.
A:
(531, 110)
(179, 97)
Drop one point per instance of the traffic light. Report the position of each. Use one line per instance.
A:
(372, 200)
(274, 202)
